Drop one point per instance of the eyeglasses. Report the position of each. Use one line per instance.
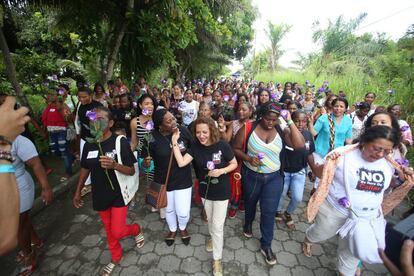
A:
(381, 150)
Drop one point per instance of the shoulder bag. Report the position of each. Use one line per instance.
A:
(128, 183)
(156, 192)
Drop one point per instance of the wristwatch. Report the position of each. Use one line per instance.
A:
(4, 141)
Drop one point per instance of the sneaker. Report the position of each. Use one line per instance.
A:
(270, 258)
(232, 213)
(209, 245)
(278, 217)
(247, 231)
(217, 269)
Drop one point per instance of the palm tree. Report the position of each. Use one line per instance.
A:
(275, 33)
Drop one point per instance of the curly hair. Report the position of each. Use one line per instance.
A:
(214, 132)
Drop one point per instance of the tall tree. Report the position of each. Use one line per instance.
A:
(275, 33)
(10, 68)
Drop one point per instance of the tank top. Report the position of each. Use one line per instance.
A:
(141, 132)
(271, 151)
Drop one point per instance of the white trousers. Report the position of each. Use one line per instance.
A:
(82, 144)
(178, 207)
(216, 211)
(327, 223)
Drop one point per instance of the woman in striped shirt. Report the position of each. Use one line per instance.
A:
(262, 169)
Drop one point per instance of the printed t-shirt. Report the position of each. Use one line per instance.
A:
(221, 154)
(367, 182)
(160, 150)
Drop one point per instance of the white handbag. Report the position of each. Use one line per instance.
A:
(128, 183)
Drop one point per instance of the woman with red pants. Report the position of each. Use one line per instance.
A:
(100, 160)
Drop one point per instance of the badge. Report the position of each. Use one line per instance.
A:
(92, 154)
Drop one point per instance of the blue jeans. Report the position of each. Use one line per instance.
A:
(266, 187)
(295, 182)
(60, 147)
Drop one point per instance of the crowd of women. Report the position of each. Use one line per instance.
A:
(247, 143)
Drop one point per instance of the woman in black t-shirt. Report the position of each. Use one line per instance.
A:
(295, 171)
(180, 181)
(213, 159)
(101, 161)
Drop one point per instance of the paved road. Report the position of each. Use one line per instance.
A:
(75, 244)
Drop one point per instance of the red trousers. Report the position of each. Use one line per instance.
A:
(114, 221)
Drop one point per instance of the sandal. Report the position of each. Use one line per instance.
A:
(170, 239)
(108, 269)
(29, 264)
(20, 255)
(307, 248)
(140, 240)
(185, 237)
(38, 244)
(289, 221)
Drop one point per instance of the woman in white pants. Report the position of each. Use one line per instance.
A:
(180, 181)
(213, 159)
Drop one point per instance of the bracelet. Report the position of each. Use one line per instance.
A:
(6, 155)
(290, 122)
(7, 168)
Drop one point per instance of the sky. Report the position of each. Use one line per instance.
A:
(391, 17)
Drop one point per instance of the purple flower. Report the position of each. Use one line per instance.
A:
(163, 81)
(226, 98)
(210, 165)
(273, 96)
(307, 82)
(145, 112)
(149, 125)
(404, 128)
(260, 156)
(92, 116)
(107, 94)
(235, 97)
(344, 202)
(402, 162)
(54, 77)
(325, 83)
(321, 90)
(284, 113)
(134, 104)
(61, 92)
